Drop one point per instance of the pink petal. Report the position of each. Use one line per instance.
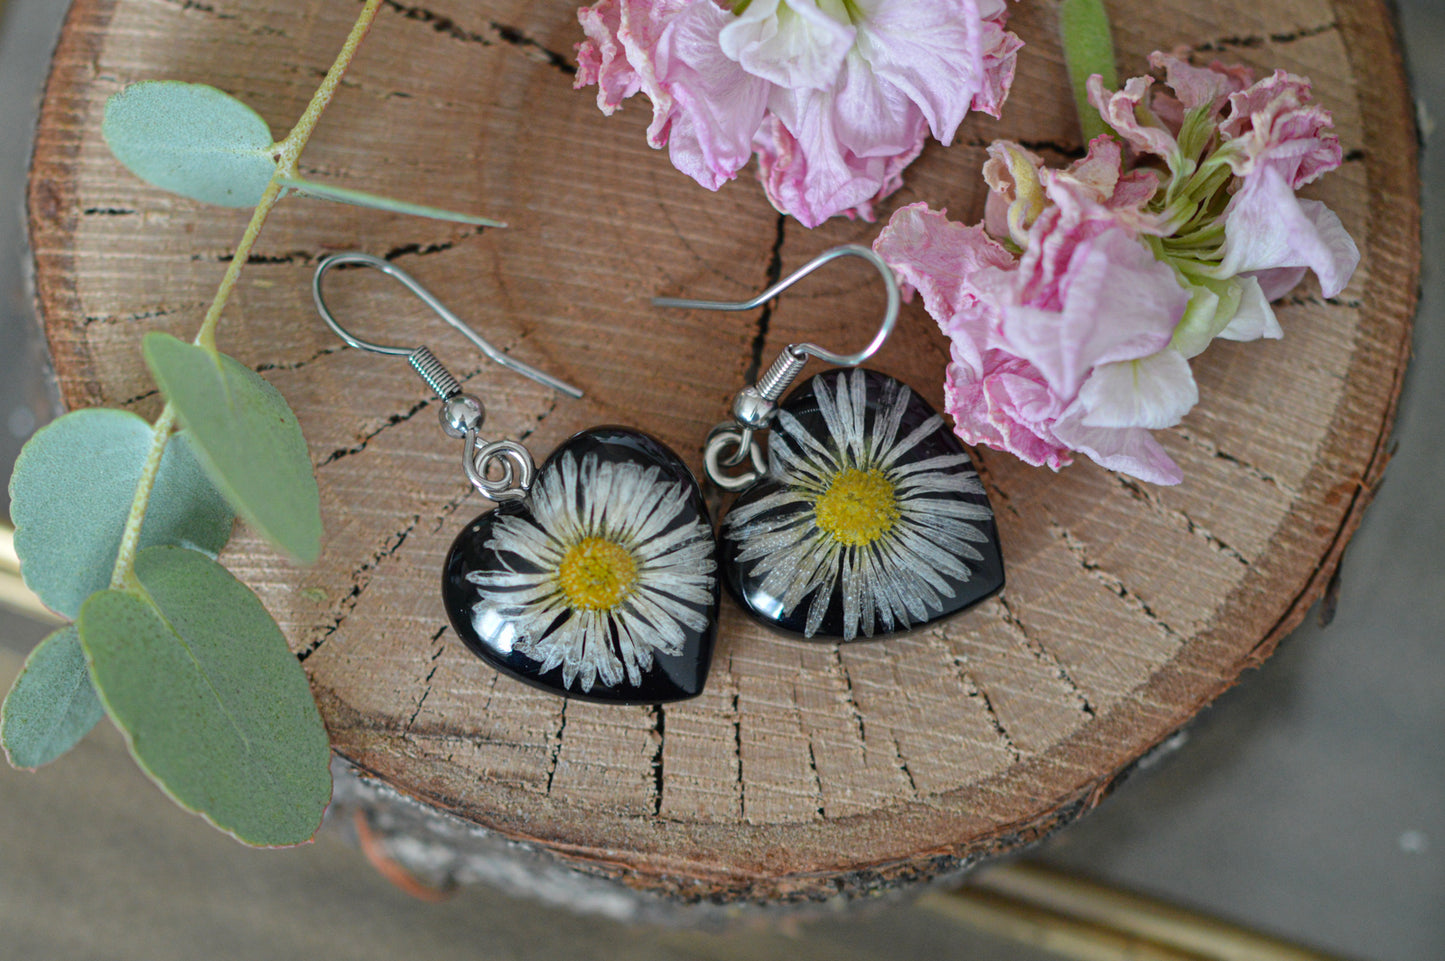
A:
(1118, 303)
(1154, 391)
(808, 172)
(1274, 125)
(792, 43)
(716, 107)
(935, 53)
(1195, 87)
(1128, 450)
(1119, 111)
(601, 58)
(1267, 227)
(941, 259)
(1005, 405)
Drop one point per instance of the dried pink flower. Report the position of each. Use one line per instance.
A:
(834, 97)
(1073, 311)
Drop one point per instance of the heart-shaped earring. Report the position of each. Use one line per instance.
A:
(596, 575)
(866, 515)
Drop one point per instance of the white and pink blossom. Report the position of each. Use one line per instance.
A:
(835, 98)
(1074, 310)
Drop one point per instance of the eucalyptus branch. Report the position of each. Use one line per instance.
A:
(288, 152)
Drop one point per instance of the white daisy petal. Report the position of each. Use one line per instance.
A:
(898, 566)
(665, 588)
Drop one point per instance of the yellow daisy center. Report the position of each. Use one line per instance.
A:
(597, 574)
(858, 507)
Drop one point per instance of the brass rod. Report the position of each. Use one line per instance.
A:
(13, 592)
(1088, 921)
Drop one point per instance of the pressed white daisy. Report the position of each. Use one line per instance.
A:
(861, 509)
(604, 570)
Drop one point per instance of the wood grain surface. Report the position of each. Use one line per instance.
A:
(804, 770)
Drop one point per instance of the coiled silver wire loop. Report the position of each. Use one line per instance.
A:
(515, 461)
(461, 414)
(744, 447)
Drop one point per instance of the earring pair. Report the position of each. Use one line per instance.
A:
(597, 575)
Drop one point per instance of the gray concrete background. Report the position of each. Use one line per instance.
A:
(1307, 802)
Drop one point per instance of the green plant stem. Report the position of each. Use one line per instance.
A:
(288, 152)
(122, 576)
(1088, 49)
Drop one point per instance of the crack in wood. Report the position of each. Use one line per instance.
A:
(1314, 300)
(422, 250)
(136, 316)
(147, 395)
(773, 274)
(1213, 450)
(737, 723)
(500, 32)
(298, 364)
(976, 690)
(903, 766)
(858, 721)
(366, 439)
(538, 423)
(817, 781)
(108, 211)
(1061, 150)
(426, 682)
(1080, 553)
(292, 257)
(1146, 497)
(973, 688)
(659, 725)
(517, 38)
(361, 578)
(1045, 658)
(185, 5)
(556, 752)
(1259, 40)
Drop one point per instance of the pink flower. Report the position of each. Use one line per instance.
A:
(1194, 88)
(1050, 352)
(1081, 341)
(1249, 230)
(1272, 124)
(835, 98)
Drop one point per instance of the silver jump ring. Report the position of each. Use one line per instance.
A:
(518, 469)
(741, 444)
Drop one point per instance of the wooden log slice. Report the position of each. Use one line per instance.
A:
(804, 769)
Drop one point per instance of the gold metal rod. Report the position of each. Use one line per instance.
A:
(1029, 924)
(1056, 900)
(13, 592)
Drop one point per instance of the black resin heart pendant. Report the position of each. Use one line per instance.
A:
(600, 584)
(871, 519)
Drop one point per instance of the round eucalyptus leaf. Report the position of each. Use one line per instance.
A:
(191, 139)
(71, 492)
(212, 703)
(52, 704)
(247, 439)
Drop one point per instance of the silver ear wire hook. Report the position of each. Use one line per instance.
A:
(754, 407)
(446, 385)
(461, 414)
